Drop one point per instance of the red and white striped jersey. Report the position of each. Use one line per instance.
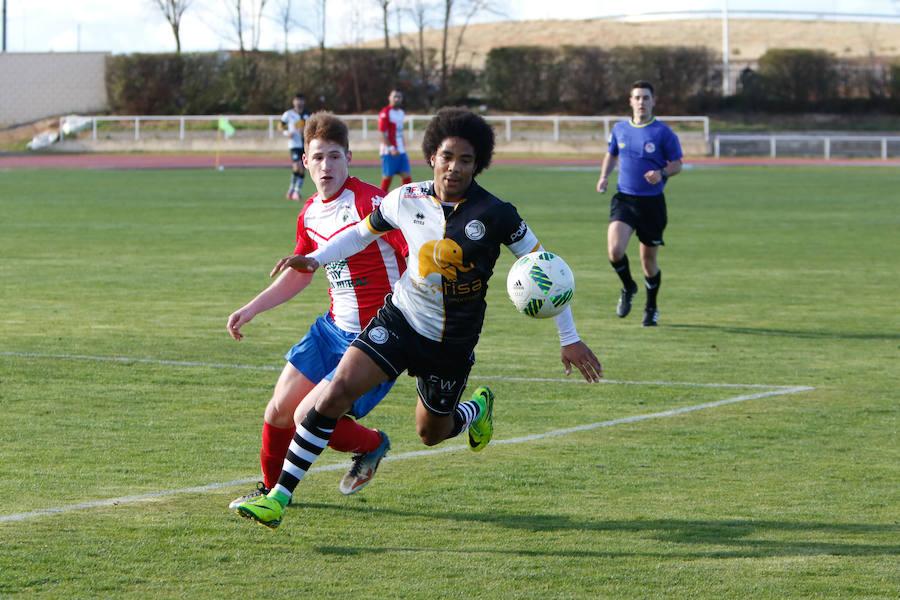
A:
(391, 121)
(358, 284)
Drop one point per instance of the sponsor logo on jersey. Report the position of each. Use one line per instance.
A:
(414, 191)
(350, 283)
(475, 230)
(462, 291)
(419, 219)
(335, 268)
(519, 233)
(442, 256)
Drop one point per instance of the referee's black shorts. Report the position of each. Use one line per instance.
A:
(645, 214)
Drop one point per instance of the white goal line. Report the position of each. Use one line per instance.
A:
(773, 390)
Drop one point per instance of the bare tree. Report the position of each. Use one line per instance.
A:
(384, 4)
(173, 11)
(256, 24)
(420, 12)
(245, 16)
(293, 14)
(321, 34)
(468, 9)
(285, 20)
(236, 20)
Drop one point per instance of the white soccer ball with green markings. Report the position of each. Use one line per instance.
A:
(540, 284)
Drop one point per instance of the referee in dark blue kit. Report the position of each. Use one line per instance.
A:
(650, 153)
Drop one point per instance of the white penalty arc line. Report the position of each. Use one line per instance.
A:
(782, 390)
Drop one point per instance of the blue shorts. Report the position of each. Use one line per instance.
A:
(393, 164)
(317, 356)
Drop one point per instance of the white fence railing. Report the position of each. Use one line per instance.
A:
(555, 128)
(826, 146)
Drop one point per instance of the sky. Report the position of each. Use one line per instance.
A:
(124, 26)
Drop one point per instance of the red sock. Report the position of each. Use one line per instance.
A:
(407, 180)
(350, 436)
(275, 444)
(386, 184)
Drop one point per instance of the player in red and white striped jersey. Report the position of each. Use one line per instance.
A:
(357, 286)
(394, 159)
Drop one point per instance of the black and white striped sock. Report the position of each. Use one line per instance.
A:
(466, 412)
(310, 439)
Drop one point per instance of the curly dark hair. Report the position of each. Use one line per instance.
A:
(461, 123)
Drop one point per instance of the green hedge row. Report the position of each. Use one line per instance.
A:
(569, 79)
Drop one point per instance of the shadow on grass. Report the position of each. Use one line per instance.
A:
(794, 333)
(737, 538)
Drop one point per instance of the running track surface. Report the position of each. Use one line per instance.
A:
(208, 161)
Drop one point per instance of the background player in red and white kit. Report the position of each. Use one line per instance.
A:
(394, 159)
(358, 285)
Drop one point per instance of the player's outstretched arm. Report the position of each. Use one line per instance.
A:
(575, 352)
(280, 291)
(582, 358)
(345, 244)
(298, 262)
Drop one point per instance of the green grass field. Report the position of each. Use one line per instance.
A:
(130, 418)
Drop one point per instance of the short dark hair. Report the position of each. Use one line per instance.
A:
(301, 96)
(461, 123)
(644, 85)
(323, 125)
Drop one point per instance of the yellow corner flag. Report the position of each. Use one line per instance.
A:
(227, 127)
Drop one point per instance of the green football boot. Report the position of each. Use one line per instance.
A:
(482, 429)
(264, 510)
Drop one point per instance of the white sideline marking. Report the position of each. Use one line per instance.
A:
(180, 363)
(773, 391)
(152, 361)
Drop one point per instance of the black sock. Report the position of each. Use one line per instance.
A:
(624, 272)
(652, 285)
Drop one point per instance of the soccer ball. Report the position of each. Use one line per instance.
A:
(540, 284)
